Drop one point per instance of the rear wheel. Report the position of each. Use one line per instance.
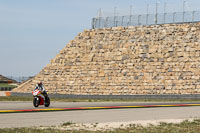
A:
(47, 102)
(36, 101)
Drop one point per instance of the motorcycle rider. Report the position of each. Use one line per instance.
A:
(40, 87)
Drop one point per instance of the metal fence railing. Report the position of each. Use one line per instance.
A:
(146, 19)
(20, 79)
(6, 88)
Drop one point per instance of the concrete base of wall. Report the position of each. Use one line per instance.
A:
(5, 93)
(185, 96)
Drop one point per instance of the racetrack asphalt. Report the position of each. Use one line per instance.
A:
(18, 105)
(91, 116)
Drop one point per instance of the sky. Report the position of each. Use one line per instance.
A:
(32, 32)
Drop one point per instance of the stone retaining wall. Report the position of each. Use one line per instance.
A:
(157, 59)
(120, 97)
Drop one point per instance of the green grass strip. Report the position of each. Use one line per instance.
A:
(7, 85)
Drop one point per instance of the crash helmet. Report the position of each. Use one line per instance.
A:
(40, 83)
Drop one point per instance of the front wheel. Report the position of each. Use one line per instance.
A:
(36, 101)
(47, 102)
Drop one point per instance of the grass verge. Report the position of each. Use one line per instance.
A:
(21, 98)
(14, 98)
(7, 85)
(185, 126)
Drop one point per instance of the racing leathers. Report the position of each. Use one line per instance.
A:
(42, 89)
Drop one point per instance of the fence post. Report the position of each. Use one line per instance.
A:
(99, 21)
(193, 16)
(174, 15)
(164, 17)
(106, 22)
(156, 15)
(93, 22)
(130, 19)
(184, 10)
(147, 17)
(114, 20)
(139, 19)
(122, 20)
(116, 23)
(165, 4)
(183, 17)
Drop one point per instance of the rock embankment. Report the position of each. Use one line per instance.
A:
(157, 59)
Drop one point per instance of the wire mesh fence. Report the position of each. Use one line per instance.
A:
(20, 79)
(146, 19)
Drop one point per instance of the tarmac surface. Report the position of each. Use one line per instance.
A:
(91, 116)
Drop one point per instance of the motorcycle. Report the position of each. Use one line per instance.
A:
(39, 98)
